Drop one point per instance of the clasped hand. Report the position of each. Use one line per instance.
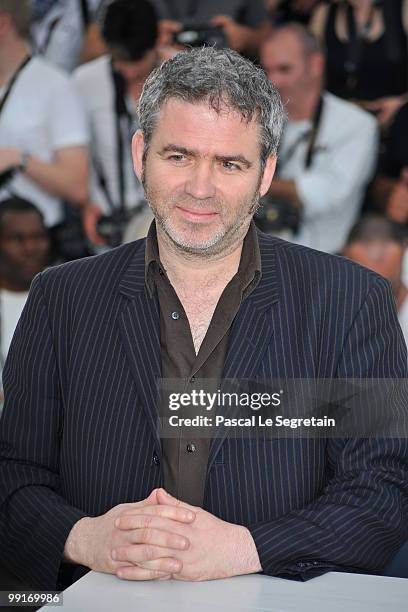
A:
(163, 538)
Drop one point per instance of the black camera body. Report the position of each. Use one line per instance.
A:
(112, 227)
(200, 35)
(274, 216)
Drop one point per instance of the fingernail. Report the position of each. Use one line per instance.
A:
(190, 516)
(117, 523)
(168, 494)
(114, 554)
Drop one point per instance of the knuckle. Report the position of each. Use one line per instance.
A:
(146, 535)
(149, 552)
(147, 521)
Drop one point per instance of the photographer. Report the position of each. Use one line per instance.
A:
(328, 151)
(110, 87)
(43, 136)
(60, 29)
(243, 23)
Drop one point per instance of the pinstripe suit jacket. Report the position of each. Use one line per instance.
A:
(78, 437)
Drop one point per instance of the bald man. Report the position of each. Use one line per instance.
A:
(329, 147)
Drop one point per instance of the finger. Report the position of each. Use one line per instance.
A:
(173, 566)
(151, 500)
(139, 553)
(220, 20)
(173, 512)
(158, 537)
(132, 572)
(166, 499)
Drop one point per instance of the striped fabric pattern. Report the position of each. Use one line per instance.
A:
(78, 431)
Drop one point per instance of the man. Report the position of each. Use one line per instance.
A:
(110, 87)
(379, 244)
(315, 176)
(60, 28)
(43, 135)
(243, 22)
(24, 252)
(204, 296)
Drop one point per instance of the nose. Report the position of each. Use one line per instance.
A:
(30, 247)
(200, 183)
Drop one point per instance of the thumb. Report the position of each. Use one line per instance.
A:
(165, 498)
(220, 20)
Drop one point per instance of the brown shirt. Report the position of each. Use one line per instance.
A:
(185, 458)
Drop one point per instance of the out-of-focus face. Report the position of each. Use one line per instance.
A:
(202, 176)
(287, 66)
(385, 258)
(24, 248)
(134, 72)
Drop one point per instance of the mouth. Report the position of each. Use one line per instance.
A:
(197, 215)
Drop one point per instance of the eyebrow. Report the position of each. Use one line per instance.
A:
(191, 152)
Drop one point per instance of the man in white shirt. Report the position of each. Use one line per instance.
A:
(59, 27)
(43, 133)
(110, 87)
(329, 147)
(379, 244)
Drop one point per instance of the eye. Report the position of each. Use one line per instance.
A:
(231, 166)
(177, 157)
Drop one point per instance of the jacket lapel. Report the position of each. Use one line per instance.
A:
(139, 323)
(251, 331)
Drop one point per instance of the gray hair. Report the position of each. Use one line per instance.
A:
(20, 13)
(224, 79)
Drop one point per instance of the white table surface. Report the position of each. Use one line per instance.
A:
(332, 592)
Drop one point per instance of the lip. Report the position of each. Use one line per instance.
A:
(195, 215)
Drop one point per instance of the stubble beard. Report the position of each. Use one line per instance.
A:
(223, 241)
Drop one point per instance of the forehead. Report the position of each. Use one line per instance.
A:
(283, 47)
(200, 127)
(20, 222)
(376, 252)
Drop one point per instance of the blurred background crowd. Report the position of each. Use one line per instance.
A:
(71, 74)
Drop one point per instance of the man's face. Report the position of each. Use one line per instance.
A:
(24, 246)
(134, 72)
(287, 66)
(202, 176)
(382, 257)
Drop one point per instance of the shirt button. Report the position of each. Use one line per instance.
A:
(191, 447)
(192, 379)
(161, 272)
(156, 459)
(175, 315)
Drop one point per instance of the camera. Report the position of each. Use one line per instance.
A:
(112, 227)
(199, 35)
(274, 215)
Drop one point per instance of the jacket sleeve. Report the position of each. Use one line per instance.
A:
(361, 517)
(35, 520)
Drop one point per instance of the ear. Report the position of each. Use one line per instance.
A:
(317, 65)
(267, 177)
(137, 153)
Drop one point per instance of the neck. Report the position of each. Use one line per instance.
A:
(11, 56)
(196, 271)
(304, 108)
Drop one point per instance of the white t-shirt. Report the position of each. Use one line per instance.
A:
(11, 307)
(95, 84)
(63, 28)
(403, 319)
(42, 115)
(333, 187)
